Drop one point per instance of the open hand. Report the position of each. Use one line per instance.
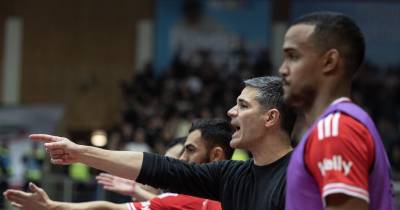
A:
(36, 200)
(117, 184)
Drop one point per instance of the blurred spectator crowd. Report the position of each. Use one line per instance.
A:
(378, 90)
(159, 107)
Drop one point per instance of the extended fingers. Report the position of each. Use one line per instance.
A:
(125, 181)
(105, 183)
(56, 151)
(54, 145)
(16, 205)
(57, 154)
(110, 188)
(17, 196)
(105, 179)
(17, 193)
(106, 176)
(45, 138)
(37, 189)
(61, 161)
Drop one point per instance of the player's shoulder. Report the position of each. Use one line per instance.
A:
(338, 124)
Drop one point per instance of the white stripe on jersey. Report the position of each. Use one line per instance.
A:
(131, 206)
(328, 126)
(320, 130)
(335, 124)
(335, 188)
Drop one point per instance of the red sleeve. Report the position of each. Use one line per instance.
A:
(140, 205)
(176, 201)
(156, 203)
(339, 154)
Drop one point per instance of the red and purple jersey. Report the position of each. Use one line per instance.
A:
(341, 153)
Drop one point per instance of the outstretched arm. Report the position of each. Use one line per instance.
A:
(92, 205)
(126, 187)
(39, 200)
(194, 179)
(63, 151)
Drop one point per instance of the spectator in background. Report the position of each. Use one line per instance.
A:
(33, 161)
(138, 142)
(5, 169)
(394, 152)
(196, 34)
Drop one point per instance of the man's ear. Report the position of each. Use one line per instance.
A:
(217, 153)
(331, 60)
(272, 118)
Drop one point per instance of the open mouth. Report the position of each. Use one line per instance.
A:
(236, 129)
(285, 82)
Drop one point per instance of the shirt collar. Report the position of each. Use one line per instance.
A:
(341, 99)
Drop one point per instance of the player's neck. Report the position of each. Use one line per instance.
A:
(325, 96)
(271, 149)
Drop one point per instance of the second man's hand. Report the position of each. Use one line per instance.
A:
(62, 151)
(117, 184)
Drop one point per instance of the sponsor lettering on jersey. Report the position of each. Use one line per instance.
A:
(336, 163)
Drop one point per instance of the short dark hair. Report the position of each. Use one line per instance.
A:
(216, 132)
(335, 30)
(270, 95)
(176, 141)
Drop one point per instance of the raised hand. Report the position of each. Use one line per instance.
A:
(62, 151)
(36, 200)
(117, 184)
